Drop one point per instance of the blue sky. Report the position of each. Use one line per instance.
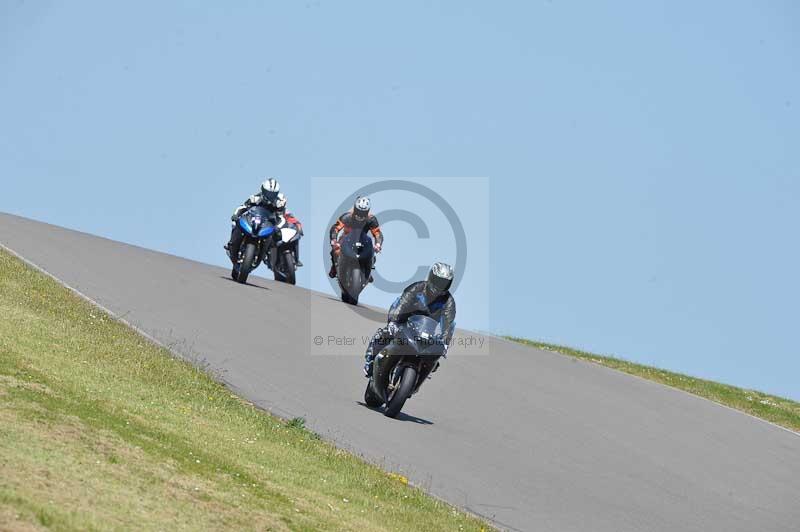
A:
(643, 157)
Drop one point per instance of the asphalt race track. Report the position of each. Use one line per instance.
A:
(528, 439)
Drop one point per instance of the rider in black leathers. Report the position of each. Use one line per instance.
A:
(356, 219)
(429, 298)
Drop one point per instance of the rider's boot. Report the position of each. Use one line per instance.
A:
(229, 251)
(369, 356)
(332, 273)
(297, 260)
(380, 338)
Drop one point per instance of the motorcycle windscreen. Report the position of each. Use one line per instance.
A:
(258, 210)
(423, 335)
(424, 326)
(255, 221)
(428, 335)
(349, 244)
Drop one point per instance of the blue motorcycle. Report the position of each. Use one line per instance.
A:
(268, 238)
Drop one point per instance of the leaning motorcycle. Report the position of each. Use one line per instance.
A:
(354, 265)
(268, 238)
(403, 364)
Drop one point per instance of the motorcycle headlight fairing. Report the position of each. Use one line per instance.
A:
(245, 225)
(266, 231)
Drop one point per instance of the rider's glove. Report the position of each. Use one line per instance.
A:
(335, 244)
(378, 248)
(392, 327)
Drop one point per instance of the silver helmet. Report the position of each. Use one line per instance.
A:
(439, 280)
(361, 208)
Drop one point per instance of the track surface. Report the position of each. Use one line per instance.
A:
(529, 439)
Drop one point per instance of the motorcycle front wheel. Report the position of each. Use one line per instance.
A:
(397, 397)
(355, 286)
(285, 271)
(247, 263)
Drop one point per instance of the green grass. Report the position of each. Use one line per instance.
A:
(778, 410)
(102, 430)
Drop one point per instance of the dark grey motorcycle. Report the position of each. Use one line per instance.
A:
(403, 364)
(354, 265)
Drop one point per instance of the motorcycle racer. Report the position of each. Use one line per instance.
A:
(271, 198)
(356, 219)
(430, 297)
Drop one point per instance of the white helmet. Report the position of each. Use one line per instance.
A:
(270, 189)
(361, 208)
(280, 201)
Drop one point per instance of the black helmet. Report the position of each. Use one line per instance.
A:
(361, 209)
(440, 278)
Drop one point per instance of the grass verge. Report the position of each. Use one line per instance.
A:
(100, 429)
(778, 410)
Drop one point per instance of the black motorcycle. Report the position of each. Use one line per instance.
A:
(268, 238)
(354, 265)
(402, 365)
